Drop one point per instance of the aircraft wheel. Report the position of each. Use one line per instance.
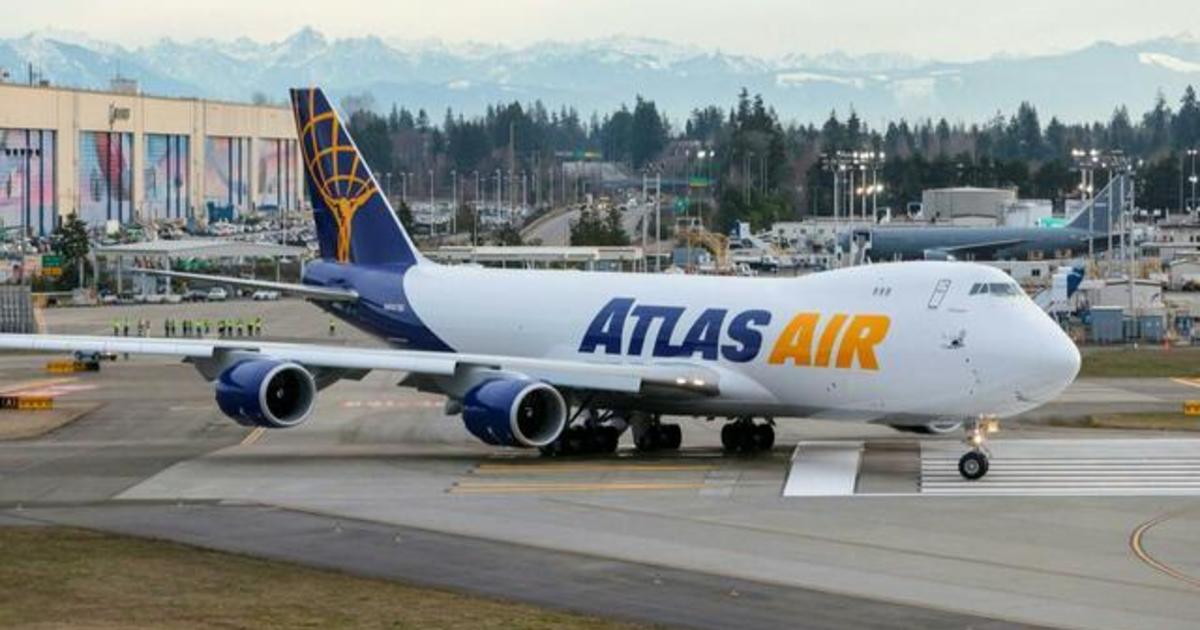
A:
(729, 437)
(648, 441)
(553, 449)
(576, 440)
(606, 439)
(764, 437)
(670, 436)
(973, 465)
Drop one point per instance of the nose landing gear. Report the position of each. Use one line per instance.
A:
(974, 464)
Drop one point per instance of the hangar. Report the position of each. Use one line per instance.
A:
(124, 156)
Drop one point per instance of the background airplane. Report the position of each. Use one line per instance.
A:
(568, 361)
(1087, 231)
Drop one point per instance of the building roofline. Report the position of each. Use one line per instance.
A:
(139, 94)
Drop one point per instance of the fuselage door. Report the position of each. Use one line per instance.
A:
(939, 293)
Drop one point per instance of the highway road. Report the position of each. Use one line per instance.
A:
(555, 230)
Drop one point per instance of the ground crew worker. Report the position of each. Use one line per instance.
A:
(332, 327)
(126, 327)
(116, 328)
(258, 326)
(167, 327)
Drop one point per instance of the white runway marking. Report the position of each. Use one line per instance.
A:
(1058, 467)
(1091, 392)
(1069, 468)
(823, 469)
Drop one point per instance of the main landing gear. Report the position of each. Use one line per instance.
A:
(597, 434)
(650, 434)
(743, 435)
(973, 465)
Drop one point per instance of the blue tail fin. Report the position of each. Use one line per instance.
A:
(355, 222)
(1098, 214)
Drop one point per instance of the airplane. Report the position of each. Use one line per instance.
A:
(567, 361)
(1088, 231)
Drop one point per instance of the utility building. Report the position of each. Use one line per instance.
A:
(967, 206)
(123, 156)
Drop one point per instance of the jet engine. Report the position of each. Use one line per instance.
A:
(515, 412)
(266, 393)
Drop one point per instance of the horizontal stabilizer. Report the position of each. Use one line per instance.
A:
(320, 294)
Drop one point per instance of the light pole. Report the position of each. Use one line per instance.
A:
(475, 228)
(453, 201)
(657, 220)
(498, 187)
(1193, 178)
(645, 217)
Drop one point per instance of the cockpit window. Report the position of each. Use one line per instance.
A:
(999, 289)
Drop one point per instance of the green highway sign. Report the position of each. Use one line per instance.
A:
(51, 260)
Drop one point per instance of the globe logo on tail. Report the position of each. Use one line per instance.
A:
(339, 177)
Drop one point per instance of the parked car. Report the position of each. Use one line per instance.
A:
(195, 295)
(263, 295)
(217, 294)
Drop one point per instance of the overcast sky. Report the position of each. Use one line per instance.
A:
(943, 29)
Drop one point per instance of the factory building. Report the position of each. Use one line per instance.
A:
(126, 157)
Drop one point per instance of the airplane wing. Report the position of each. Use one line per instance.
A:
(604, 377)
(320, 294)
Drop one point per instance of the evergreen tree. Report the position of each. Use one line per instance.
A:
(70, 241)
(1186, 130)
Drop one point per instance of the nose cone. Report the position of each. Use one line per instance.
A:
(1052, 364)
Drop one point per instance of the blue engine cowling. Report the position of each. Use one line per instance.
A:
(515, 412)
(266, 393)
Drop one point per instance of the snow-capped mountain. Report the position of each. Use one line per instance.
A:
(601, 74)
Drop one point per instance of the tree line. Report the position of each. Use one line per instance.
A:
(757, 168)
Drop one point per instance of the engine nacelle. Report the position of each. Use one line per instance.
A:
(515, 412)
(266, 393)
(938, 427)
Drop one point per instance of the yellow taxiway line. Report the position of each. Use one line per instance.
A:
(544, 469)
(253, 436)
(526, 488)
(1135, 543)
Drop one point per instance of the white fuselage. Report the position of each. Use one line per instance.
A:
(904, 341)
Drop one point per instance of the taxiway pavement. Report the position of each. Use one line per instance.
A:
(377, 458)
